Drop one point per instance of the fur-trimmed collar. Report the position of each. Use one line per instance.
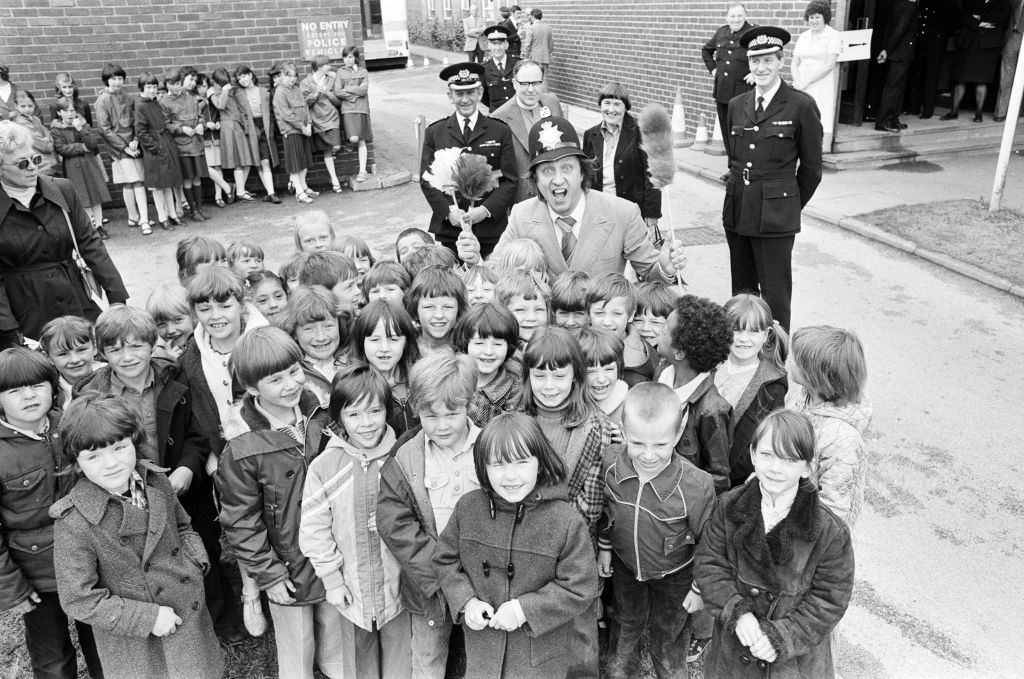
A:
(765, 552)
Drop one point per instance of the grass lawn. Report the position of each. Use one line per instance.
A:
(962, 229)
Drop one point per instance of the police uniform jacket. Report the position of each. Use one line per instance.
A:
(498, 84)
(899, 43)
(937, 20)
(515, 43)
(775, 163)
(491, 139)
(723, 52)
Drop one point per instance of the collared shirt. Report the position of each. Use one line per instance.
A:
(774, 512)
(576, 214)
(448, 477)
(473, 119)
(144, 403)
(684, 392)
(293, 428)
(769, 95)
(611, 141)
(530, 115)
(36, 436)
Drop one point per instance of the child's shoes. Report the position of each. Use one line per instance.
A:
(252, 616)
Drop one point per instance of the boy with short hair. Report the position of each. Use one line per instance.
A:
(419, 487)
(337, 273)
(656, 505)
(279, 431)
(34, 475)
(611, 302)
(569, 300)
(157, 390)
(436, 300)
(411, 240)
(527, 299)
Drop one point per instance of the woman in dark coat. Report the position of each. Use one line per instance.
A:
(979, 47)
(621, 170)
(778, 576)
(39, 280)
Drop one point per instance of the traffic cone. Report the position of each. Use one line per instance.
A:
(679, 139)
(445, 62)
(716, 147)
(426, 61)
(408, 63)
(700, 139)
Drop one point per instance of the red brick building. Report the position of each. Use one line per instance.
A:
(44, 37)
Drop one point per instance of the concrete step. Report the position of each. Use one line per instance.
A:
(863, 160)
(923, 135)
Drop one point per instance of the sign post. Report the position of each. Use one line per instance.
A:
(1009, 128)
(324, 35)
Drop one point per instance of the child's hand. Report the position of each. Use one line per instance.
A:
(307, 130)
(134, 144)
(604, 563)
(28, 605)
(509, 617)
(748, 629)
(279, 593)
(79, 123)
(212, 462)
(340, 597)
(213, 126)
(693, 602)
(199, 129)
(614, 433)
(181, 479)
(477, 614)
(763, 649)
(187, 131)
(166, 622)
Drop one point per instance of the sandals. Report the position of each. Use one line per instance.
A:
(134, 223)
(220, 203)
(311, 193)
(230, 198)
(337, 188)
(303, 198)
(146, 229)
(246, 196)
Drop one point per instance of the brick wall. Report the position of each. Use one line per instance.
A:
(44, 37)
(652, 48)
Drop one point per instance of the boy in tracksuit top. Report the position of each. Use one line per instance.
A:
(656, 504)
(281, 429)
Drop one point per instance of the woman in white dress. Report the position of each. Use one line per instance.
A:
(814, 63)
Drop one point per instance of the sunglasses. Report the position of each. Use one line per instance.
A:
(23, 164)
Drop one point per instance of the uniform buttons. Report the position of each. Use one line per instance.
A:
(752, 147)
(195, 605)
(430, 623)
(784, 194)
(749, 164)
(35, 548)
(780, 134)
(25, 482)
(727, 73)
(754, 591)
(39, 228)
(756, 128)
(727, 63)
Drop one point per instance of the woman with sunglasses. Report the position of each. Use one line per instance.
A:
(38, 214)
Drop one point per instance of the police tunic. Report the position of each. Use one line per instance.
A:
(491, 139)
(775, 163)
(723, 52)
(498, 84)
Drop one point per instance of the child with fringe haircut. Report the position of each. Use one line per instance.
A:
(160, 153)
(245, 257)
(289, 271)
(338, 533)
(521, 254)
(168, 305)
(115, 118)
(157, 390)
(489, 334)
(278, 432)
(602, 352)
(480, 281)
(829, 372)
(386, 280)
(127, 560)
(420, 486)
(356, 249)
(322, 334)
(337, 273)
(753, 379)
(612, 303)
(384, 337)
(313, 232)
(569, 307)
(409, 241)
(515, 562)
(42, 140)
(436, 300)
(69, 343)
(268, 293)
(654, 302)
(77, 143)
(527, 299)
(194, 251)
(186, 122)
(656, 506)
(33, 475)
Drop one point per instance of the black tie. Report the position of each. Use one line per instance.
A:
(760, 105)
(466, 129)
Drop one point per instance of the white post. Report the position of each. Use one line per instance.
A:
(1009, 128)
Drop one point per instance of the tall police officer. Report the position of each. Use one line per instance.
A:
(774, 168)
(498, 69)
(475, 133)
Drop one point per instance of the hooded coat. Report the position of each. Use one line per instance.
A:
(537, 551)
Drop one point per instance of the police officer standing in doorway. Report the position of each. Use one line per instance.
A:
(498, 69)
(774, 145)
(726, 60)
(473, 132)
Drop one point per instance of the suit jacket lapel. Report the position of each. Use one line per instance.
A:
(594, 234)
(750, 107)
(157, 520)
(776, 104)
(543, 233)
(518, 125)
(481, 128)
(625, 136)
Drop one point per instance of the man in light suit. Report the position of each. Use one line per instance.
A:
(577, 228)
(542, 41)
(472, 28)
(520, 113)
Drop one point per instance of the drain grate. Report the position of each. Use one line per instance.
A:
(702, 235)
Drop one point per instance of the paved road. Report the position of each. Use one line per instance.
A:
(941, 540)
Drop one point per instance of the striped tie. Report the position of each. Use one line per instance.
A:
(568, 237)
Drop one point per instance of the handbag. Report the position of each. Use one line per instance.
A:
(92, 286)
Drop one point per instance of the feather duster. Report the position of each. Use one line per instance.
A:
(474, 178)
(656, 142)
(441, 174)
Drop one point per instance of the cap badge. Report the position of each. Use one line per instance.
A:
(545, 112)
(549, 136)
(463, 74)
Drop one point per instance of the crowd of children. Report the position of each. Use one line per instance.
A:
(185, 126)
(390, 448)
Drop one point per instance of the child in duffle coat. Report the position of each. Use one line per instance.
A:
(128, 562)
(296, 125)
(31, 479)
(159, 152)
(774, 565)
(338, 531)
(77, 144)
(516, 562)
(272, 441)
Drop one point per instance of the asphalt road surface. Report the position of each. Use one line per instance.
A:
(940, 542)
